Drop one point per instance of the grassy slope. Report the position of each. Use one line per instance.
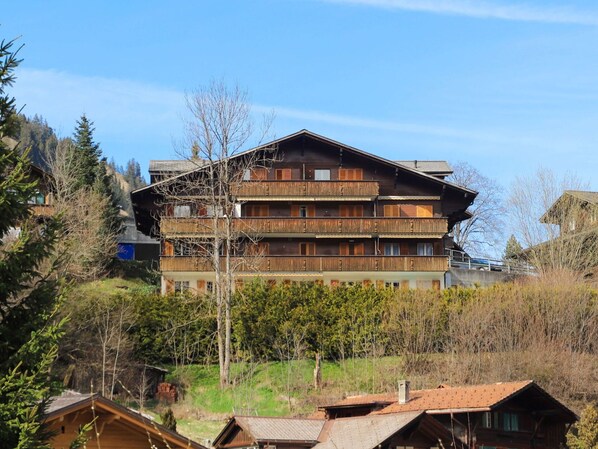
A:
(274, 389)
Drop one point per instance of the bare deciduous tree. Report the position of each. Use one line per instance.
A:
(483, 231)
(219, 128)
(548, 228)
(85, 244)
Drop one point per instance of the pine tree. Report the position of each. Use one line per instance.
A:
(168, 419)
(584, 435)
(88, 151)
(28, 299)
(513, 249)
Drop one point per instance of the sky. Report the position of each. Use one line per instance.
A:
(509, 86)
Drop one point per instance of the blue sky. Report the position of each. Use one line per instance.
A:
(508, 86)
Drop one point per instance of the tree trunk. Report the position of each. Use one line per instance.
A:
(318, 373)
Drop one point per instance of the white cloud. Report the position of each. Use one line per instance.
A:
(486, 10)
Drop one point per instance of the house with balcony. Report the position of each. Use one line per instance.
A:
(319, 210)
(491, 416)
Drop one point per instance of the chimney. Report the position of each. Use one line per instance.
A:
(403, 391)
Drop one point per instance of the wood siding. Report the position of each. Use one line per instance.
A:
(405, 227)
(284, 264)
(290, 189)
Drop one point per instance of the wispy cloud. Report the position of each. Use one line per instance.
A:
(486, 10)
(312, 116)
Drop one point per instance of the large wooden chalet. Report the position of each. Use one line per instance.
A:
(323, 211)
(516, 415)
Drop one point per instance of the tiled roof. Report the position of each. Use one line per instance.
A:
(365, 432)
(67, 399)
(455, 398)
(281, 429)
(365, 399)
(430, 167)
(174, 166)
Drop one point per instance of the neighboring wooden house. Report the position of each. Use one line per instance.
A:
(402, 430)
(114, 426)
(511, 415)
(501, 415)
(574, 211)
(323, 211)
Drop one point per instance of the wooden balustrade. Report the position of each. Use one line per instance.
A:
(42, 210)
(404, 227)
(308, 189)
(295, 264)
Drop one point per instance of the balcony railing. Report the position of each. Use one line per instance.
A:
(294, 264)
(403, 227)
(42, 210)
(287, 189)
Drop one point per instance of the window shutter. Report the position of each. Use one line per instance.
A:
(264, 210)
(294, 210)
(379, 284)
(311, 210)
(391, 210)
(436, 284)
(201, 286)
(424, 210)
(359, 249)
(169, 286)
(283, 174)
(404, 248)
(259, 174)
(408, 210)
(405, 285)
(343, 249)
(168, 248)
(343, 212)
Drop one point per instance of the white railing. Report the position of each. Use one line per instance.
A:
(460, 259)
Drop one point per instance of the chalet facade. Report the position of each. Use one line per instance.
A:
(321, 211)
(518, 415)
(113, 426)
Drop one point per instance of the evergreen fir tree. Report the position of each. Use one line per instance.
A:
(88, 151)
(28, 299)
(513, 249)
(168, 419)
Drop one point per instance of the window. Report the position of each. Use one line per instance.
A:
(283, 174)
(392, 249)
(209, 286)
(487, 420)
(351, 249)
(307, 249)
(303, 210)
(510, 422)
(394, 285)
(181, 286)
(350, 210)
(322, 174)
(350, 174)
(38, 198)
(182, 211)
(182, 248)
(425, 249)
(425, 210)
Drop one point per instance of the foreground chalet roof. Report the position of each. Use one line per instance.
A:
(73, 402)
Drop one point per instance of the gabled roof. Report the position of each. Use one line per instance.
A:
(71, 401)
(364, 432)
(305, 132)
(274, 429)
(174, 166)
(580, 195)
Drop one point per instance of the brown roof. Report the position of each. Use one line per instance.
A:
(72, 401)
(281, 429)
(363, 432)
(590, 197)
(366, 399)
(475, 397)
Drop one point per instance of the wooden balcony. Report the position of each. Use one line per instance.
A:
(337, 190)
(321, 227)
(311, 264)
(42, 210)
